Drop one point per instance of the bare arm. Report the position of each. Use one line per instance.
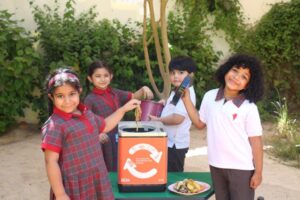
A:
(54, 175)
(143, 93)
(112, 120)
(173, 119)
(192, 112)
(257, 151)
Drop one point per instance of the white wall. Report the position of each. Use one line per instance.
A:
(254, 9)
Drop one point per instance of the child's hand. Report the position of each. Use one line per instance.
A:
(147, 93)
(130, 105)
(186, 95)
(153, 118)
(256, 180)
(162, 101)
(103, 138)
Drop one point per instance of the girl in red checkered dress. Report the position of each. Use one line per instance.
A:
(73, 156)
(104, 100)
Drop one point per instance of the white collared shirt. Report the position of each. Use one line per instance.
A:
(178, 134)
(228, 130)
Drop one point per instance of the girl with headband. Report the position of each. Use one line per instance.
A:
(73, 157)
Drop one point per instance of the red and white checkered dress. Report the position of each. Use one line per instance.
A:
(104, 103)
(75, 138)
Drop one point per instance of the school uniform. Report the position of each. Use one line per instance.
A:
(75, 138)
(104, 103)
(229, 126)
(178, 135)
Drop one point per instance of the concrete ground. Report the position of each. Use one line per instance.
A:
(23, 177)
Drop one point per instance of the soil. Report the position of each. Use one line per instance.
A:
(23, 176)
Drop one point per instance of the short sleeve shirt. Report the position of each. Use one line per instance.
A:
(178, 135)
(229, 126)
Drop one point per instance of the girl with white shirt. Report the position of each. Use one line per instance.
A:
(234, 131)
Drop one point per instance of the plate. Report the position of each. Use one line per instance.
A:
(205, 185)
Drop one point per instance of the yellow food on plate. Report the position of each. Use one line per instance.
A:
(188, 186)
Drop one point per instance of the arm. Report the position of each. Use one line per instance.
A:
(54, 175)
(173, 119)
(143, 93)
(112, 120)
(257, 151)
(193, 113)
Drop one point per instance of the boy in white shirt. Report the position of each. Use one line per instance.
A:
(175, 117)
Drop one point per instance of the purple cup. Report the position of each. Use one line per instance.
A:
(150, 108)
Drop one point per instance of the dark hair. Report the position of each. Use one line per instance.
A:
(58, 78)
(255, 88)
(183, 63)
(97, 64)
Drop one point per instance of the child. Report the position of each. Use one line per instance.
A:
(235, 150)
(73, 156)
(175, 118)
(104, 100)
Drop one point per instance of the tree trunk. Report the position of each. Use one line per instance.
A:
(162, 58)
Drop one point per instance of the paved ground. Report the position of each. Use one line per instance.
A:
(23, 177)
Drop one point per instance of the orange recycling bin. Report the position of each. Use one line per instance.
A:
(142, 154)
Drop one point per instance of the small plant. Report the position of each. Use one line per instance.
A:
(286, 141)
(285, 125)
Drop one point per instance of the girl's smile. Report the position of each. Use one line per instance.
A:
(66, 98)
(236, 80)
(101, 78)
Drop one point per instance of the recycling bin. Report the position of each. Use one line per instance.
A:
(142, 156)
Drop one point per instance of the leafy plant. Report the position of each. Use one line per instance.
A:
(19, 71)
(188, 35)
(286, 126)
(228, 17)
(275, 40)
(286, 141)
(70, 39)
(195, 23)
(76, 40)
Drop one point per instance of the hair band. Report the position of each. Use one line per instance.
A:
(63, 76)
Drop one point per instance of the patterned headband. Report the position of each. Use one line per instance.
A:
(63, 76)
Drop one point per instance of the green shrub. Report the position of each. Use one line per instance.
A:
(73, 40)
(275, 39)
(188, 35)
(19, 71)
(76, 41)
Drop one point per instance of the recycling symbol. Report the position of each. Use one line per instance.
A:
(155, 155)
